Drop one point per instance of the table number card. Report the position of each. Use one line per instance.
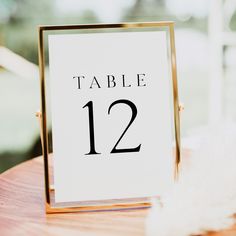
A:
(112, 113)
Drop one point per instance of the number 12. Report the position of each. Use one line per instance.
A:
(91, 127)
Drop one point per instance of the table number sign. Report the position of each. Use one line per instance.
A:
(113, 112)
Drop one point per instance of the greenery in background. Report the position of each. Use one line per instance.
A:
(19, 27)
(156, 10)
(232, 24)
(19, 20)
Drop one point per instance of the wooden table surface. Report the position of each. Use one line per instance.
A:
(22, 210)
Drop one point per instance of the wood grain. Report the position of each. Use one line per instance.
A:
(22, 210)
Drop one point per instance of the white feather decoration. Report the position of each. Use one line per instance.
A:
(204, 199)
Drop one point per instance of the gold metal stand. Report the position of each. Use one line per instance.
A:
(51, 207)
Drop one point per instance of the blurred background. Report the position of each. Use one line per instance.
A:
(206, 60)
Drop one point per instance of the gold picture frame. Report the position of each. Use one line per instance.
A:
(51, 207)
